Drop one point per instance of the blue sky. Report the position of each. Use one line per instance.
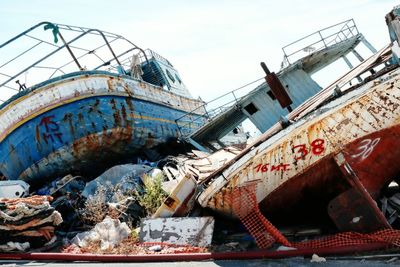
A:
(216, 45)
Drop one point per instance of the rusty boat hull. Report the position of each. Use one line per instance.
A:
(296, 172)
(83, 122)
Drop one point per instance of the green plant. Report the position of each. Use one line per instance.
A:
(153, 195)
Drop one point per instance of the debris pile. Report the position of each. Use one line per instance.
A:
(99, 214)
(131, 246)
(103, 216)
(66, 192)
(27, 223)
(197, 163)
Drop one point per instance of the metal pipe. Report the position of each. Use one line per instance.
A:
(69, 51)
(244, 255)
(346, 21)
(23, 33)
(55, 51)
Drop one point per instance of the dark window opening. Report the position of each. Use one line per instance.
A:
(177, 77)
(170, 75)
(271, 95)
(251, 108)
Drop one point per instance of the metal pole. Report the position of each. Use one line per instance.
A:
(319, 32)
(70, 51)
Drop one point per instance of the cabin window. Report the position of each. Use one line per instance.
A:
(170, 75)
(271, 95)
(251, 108)
(178, 79)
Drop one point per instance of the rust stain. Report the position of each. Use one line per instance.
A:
(117, 119)
(126, 89)
(37, 134)
(123, 111)
(129, 103)
(110, 84)
(149, 141)
(80, 117)
(68, 117)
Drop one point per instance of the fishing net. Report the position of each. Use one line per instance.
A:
(245, 205)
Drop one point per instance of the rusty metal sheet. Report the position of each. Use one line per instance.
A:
(350, 211)
(278, 90)
(194, 231)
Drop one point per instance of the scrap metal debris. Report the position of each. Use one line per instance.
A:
(197, 163)
(66, 192)
(194, 231)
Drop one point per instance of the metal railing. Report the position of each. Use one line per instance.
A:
(211, 109)
(151, 54)
(318, 40)
(87, 49)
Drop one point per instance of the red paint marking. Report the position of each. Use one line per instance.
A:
(279, 167)
(49, 124)
(302, 150)
(316, 148)
(51, 129)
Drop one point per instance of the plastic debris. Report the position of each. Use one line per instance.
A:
(13, 189)
(67, 185)
(155, 248)
(110, 232)
(316, 258)
(113, 193)
(127, 176)
(15, 246)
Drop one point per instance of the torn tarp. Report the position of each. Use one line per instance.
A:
(127, 176)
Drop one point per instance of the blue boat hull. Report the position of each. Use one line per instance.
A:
(85, 136)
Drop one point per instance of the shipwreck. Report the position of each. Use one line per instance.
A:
(94, 115)
(326, 166)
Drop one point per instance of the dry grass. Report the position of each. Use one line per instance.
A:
(150, 197)
(95, 209)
